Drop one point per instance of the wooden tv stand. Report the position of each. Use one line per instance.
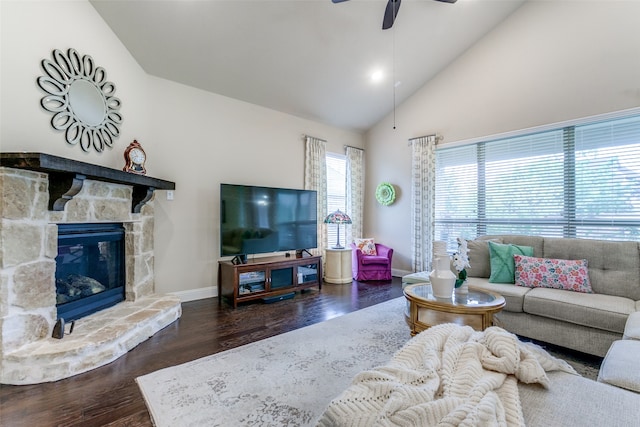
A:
(267, 277)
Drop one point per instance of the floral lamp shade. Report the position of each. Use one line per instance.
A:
(338, 217)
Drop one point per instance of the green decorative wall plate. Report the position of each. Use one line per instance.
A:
(385, 194)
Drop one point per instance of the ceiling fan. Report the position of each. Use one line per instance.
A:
(391, 11)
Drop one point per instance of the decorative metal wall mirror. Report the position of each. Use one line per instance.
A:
(81, 99)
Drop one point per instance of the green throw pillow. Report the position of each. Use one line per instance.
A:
(503, 266)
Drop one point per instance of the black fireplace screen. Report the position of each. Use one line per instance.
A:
(90, 273)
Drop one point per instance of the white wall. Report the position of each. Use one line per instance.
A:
(202, 140)
(194, 138)
(551, 61)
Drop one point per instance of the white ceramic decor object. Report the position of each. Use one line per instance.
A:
(442, 279)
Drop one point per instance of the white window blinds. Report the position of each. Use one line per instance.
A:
(336, 192)
(578, 181)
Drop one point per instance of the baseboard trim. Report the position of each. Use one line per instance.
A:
(196, 294)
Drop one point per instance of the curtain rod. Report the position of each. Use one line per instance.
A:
(351, 146)
(435, 135)
(305, 136)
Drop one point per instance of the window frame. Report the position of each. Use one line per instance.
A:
(570, 221)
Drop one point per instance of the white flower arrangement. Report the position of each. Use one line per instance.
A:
(461, 261)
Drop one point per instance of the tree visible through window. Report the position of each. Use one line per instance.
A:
(578, 181)
(336, 191)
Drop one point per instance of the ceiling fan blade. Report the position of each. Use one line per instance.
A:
(390, 14)
(391, 11)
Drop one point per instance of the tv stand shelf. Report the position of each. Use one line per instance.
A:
(267, 277)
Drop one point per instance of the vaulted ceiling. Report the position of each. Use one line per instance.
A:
(309, 58)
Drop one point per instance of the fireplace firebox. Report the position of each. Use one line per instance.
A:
(90, 268)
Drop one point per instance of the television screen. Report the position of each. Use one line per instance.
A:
(262, 219)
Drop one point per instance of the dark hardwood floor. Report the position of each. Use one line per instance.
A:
(109, 396)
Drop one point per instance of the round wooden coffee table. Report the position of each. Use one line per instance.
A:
(474, 309)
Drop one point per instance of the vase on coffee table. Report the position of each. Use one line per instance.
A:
(442, 279)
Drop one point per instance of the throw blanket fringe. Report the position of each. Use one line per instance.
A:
(448, 375)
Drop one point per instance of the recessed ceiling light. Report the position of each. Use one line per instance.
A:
(377, 76)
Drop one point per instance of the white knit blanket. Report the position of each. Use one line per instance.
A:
(448, 375)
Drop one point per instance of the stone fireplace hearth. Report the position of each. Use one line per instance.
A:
(28, 248)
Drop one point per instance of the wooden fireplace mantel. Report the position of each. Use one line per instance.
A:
(66, 177)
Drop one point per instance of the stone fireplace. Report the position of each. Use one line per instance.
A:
(37, 195)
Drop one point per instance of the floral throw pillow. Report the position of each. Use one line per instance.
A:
(367, 246)
(570, 275)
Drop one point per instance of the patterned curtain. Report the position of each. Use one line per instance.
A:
(355, 192)
(315, 178)
(423, 195)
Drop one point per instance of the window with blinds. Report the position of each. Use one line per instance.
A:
(336, 191)
(578, 181)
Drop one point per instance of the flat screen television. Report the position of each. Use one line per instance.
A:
(256, 220)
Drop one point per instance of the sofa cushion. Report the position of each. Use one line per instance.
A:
(479, 257)
(502, 263)
(572, 400)
(570, 275)
(620, 366)
(605, 312)
(375, 260)
(419, 277)
(614, 267)
(513, 295)
(632, 327)
(366, 245)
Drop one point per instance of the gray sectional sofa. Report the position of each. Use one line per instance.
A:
(593, 323)
(587, 322)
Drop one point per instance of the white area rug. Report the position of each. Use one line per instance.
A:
(286, 380)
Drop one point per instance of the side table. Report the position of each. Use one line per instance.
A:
(338, 266)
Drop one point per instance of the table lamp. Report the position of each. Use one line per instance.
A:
(338, 217)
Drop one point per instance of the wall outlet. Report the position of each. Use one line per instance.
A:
(170, 195)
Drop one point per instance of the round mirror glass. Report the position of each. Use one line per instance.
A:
(87, 102)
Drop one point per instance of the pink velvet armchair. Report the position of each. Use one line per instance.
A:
(371, 267)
